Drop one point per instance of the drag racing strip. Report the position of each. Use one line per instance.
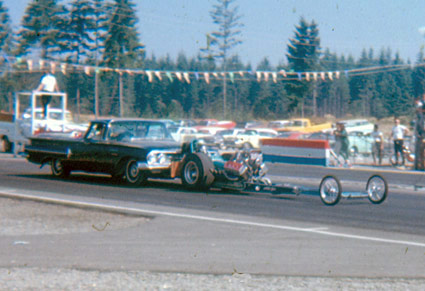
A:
(47, 197)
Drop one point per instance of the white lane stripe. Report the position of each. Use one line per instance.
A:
(12, 193)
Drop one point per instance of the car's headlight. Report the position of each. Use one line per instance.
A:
(151, 158)
(158, 158)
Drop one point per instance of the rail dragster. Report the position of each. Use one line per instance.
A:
(133, 150)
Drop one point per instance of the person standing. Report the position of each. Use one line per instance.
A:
(378, 144)
(48, 84)
(397, 134)
(342, 143)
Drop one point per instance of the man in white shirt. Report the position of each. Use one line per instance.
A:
(49, 84)
(397, 135)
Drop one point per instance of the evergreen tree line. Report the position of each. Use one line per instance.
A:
(104, 33)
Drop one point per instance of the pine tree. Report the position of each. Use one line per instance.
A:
(6, 33)
(419, 75)
(222, 41)
(41, 28)
(122, 46)
(303, 56)
(78, 29)
(122, 50)
(6, 47)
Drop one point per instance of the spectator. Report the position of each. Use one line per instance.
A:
(397, 134)
(48, 84)
(378, 144)
(342, 143)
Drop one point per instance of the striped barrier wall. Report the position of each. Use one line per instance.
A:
(293, 151)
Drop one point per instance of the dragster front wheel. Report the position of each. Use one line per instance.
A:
(330, 190)
(377, 189)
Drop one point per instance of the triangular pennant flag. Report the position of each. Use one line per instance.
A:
(337, 73)
(170, 77)
(274, 75)
(266, 76)
(258, 76)
(307, 76)
(241, 73)
(322, 76)
(207, 78)
(196, 76)
(158, 75)
(150, 76)
(41, 63)
(215, 75)
(87, 70)
(29, 62)
(346, 73)
(283, 72)
(330, 76)
(299, 76)
(63, 68)
(315, 76)
(232, 77)
(186, 77)
(179, 75)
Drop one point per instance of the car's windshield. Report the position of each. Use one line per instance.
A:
(137, 130)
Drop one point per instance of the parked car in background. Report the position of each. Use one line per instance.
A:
(305, 125)
(291, 134)
(254, 124)
(321, 135)
(360, 143)
(251, 138)
(230, 136)
(278, 124)
(358, 125)
(179, 133)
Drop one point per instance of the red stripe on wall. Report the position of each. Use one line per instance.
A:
(298, 143)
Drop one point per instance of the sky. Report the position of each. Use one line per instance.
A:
(169, 27)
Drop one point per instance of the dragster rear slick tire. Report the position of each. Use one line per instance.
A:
(196, 172)
(330, 190)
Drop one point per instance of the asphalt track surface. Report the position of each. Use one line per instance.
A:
(218, 232)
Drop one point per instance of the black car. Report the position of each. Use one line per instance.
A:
(133, 149)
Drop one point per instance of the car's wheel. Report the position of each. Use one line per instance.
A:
(330, 190)
(196, 172)
(132, 174)
(59, 169)
(377, 189)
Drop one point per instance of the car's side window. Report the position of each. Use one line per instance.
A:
(156, 131)
(96, 132)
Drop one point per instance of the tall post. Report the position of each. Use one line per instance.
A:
(121, 95)
(96, 92)
(224, 88)
(224, 95)
(315, 99)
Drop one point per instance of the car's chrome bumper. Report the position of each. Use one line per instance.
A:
(143, 166)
